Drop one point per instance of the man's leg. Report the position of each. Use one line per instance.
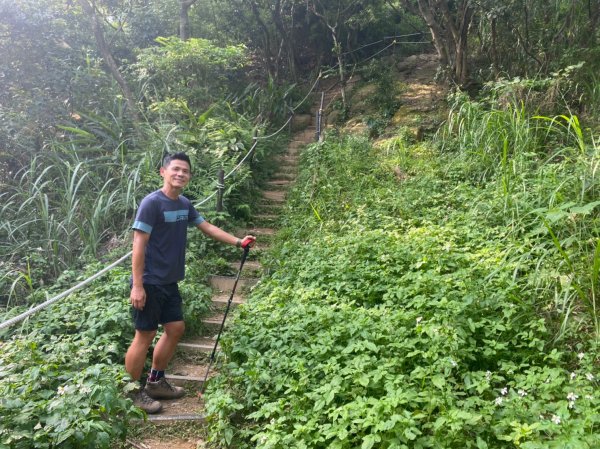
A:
(158, 387)
(134, 365)
(137, 352)
(167, 343)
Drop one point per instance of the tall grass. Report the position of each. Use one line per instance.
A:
(63, 206)
(543, 172)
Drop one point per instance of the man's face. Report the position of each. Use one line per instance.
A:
(177, 174)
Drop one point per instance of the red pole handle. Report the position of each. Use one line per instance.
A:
(247, 241)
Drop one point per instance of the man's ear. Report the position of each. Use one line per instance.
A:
(162, 171)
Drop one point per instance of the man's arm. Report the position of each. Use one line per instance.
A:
(218, 234)
(138, 294)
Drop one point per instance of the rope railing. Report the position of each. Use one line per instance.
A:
(64, 294)
(385, 38)
(105, 270)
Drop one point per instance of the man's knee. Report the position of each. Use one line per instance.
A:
(175, 329)
(144, 338)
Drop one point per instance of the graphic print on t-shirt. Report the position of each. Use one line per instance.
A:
(176, 215)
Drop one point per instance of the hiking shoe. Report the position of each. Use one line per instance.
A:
(146, 403)
(161, 389)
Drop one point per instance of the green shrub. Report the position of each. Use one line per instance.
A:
(415, 312)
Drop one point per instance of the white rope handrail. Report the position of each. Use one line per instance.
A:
(309, 92)
(45, 304)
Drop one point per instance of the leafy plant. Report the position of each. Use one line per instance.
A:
(419, 313)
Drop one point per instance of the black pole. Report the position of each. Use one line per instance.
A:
(214, 351)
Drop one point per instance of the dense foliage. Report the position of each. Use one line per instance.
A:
(441, 295)
(428, 298)
(62, 378)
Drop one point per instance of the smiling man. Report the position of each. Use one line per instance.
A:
(158, 264)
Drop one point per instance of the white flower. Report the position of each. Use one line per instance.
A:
(499, 400)
(85, 389)
(504, 391)
(453, 363)
(556, 419)
(38, 426)
(573, 376)
(488, 375)
(580, 356)
(589, 376)
(522, 393)
(572, 397)
(61, 391)
(419, 319)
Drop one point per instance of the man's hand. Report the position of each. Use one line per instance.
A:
(248, 241)
(138, 297)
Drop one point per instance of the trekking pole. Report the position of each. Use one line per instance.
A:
(246, 246)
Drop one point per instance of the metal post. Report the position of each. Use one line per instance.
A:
(320, 118)
(220, 189)
(291, 112)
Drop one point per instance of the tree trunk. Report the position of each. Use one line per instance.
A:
(462, 71)
(494, 49)
(267, 38)
(90, 10)
(287, 37)
(449, 31)
(437, 34)
(184, 19)
(340, 58)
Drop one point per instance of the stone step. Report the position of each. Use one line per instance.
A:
(265, 218)
(276, 196)
(279, 182)
(181, 379)
(257, 231)
(288, 159)
(252, 268)
(295, 147)
(270, 208)
(213, 323)
(222, 299)
(286, 169)
(197, 344)
(285, 176)
(162, 418)
(225, 283)
(190, 407)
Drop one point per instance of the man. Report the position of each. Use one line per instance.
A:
(158, 263)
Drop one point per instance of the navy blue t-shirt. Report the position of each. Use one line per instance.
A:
(166, 221)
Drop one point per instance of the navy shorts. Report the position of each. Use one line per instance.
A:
(163, 305)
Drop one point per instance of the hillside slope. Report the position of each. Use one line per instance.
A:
(406, 308)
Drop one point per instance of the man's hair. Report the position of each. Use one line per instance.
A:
(176, 156)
